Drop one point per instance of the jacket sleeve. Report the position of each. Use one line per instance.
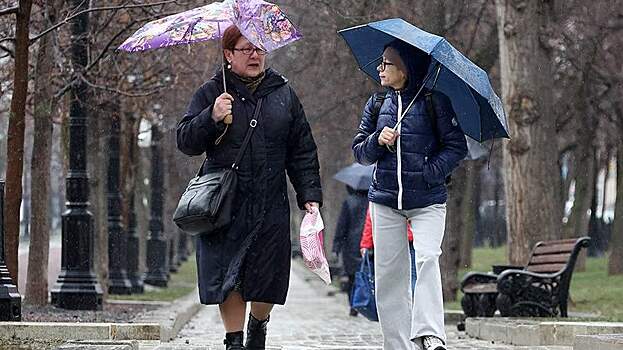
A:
(302, 163)
(197, 131)
(366, 146)
(341, 229)
(366, 236)
(454, 145)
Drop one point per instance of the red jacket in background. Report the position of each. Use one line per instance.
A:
(366, 236)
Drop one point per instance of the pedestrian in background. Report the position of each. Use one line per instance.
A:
(367, 245)
(348, 235)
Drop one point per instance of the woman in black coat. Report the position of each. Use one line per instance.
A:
(250, 260)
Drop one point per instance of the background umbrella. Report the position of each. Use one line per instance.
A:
(357, 176)
(479, 110)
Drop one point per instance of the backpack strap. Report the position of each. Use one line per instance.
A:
(379, 97)
(432, 114)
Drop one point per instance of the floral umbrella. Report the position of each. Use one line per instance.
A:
(264, 24)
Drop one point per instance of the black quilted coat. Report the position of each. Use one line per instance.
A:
(253, 254)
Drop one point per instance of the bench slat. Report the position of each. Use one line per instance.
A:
(554, 249)
(550, 258)
(559, 241)
(546, 268)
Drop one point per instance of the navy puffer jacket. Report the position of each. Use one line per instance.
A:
(424, 161)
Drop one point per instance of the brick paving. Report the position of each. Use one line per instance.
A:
(313, 318)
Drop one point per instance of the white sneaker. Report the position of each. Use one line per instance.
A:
(433, 343)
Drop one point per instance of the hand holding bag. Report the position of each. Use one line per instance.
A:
(206, 204)
(363, 297)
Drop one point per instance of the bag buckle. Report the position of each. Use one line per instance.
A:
(253, 123)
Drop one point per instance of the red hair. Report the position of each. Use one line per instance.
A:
(230, 37)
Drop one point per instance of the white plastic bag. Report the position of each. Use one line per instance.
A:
(312, 247)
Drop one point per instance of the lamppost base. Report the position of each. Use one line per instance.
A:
(77, 291)
(10, 300)
(157, 279)
(137, 284)
(119, 285)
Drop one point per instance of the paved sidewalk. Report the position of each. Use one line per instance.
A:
(312, 320)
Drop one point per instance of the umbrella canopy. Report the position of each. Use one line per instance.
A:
(264, 24)
(357, 176)
(478, 109)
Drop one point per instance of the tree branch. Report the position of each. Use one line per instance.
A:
(107, 8)
(8, 51)
(9, 11)
(121, 92)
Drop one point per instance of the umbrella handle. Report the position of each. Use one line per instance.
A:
(401, 117)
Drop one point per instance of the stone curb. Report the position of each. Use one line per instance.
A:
(532, 332)
(173, 317)
(162, 324)
(599, 342)
(99, 345)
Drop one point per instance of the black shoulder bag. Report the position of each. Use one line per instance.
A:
(206, 204)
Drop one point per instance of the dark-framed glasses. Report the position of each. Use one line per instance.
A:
(384, 65)
(249, 51)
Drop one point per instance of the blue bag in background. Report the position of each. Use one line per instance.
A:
(363, 299)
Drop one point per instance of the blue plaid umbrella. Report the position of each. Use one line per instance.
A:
(478, 109)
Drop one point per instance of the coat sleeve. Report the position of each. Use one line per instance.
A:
(197, 131)
(366, 146)
(366, 236)
(454, 145)
(341, 229)
(302, 163)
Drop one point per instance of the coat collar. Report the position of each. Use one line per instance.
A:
(272, 81)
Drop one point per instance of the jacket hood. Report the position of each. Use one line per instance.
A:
(416, 62)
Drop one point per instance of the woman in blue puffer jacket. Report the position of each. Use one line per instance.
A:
(412, 163)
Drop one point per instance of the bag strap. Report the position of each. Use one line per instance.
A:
(247, 137)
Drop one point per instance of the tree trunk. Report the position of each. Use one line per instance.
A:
(37, 277)
(451, 247)
(15, 140)
(468, 213)
(531, 173)
(615, 256)
(96, 162)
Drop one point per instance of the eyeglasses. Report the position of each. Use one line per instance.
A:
(384, 65)
(249, 51)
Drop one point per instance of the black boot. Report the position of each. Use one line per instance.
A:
(233, 341)
(256, 333)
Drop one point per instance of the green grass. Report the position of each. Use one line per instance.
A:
(181, 283)
(592, 291)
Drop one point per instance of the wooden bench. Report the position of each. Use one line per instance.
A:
(541, 288)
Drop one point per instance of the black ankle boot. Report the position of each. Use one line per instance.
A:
(256, 333)
(233, 341)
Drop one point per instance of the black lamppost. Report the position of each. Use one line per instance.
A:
(182, 246)
(157, 269)
(10, 300)
(118, 282)
(135, 276)
(77, 286)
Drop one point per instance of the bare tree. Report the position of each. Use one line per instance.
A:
(531, 179)
(44, 107)
(15, 142)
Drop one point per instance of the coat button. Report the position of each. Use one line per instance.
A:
(243, 99)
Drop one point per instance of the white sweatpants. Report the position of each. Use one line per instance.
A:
(405, 319)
